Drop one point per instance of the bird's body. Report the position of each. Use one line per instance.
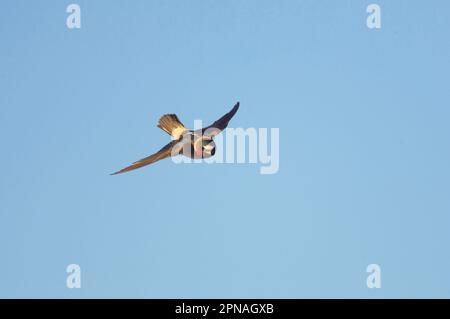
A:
(194, 144)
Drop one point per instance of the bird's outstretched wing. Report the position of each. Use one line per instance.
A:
(219, 125)
(161, 154)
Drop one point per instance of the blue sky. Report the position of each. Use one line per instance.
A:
(364, 149)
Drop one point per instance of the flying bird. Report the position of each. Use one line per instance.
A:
(194, 144)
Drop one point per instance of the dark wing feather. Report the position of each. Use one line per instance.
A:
(221, 123)
(161, 154)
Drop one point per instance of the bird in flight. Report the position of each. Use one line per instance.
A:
(194, 144)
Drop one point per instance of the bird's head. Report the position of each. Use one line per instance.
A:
(208, 148)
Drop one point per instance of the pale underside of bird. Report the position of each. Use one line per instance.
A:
(194, 144)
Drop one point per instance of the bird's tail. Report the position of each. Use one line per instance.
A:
(172, 125)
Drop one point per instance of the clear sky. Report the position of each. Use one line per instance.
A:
(364, 171)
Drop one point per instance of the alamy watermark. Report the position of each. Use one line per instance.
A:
(73, 20)
(374, 279)
(373, 21)
(238, 145)
(74, 278)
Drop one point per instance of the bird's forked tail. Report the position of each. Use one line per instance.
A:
(172, 125)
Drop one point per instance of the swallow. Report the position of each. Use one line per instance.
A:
(194, 144)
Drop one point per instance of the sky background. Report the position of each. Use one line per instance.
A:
(364, 149)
